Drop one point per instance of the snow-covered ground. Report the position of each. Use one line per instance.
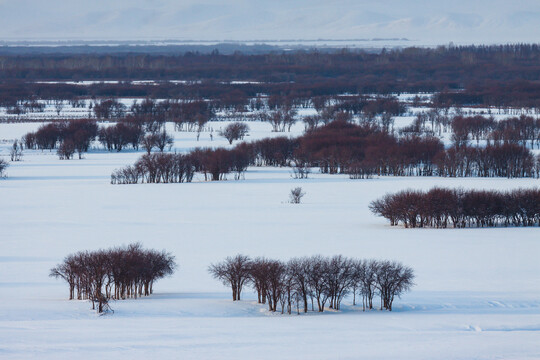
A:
(477, 294)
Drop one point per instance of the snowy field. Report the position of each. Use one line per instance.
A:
(477, 294)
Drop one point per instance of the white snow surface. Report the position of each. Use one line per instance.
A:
(477, 293)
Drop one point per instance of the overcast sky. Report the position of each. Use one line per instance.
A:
(461, 21)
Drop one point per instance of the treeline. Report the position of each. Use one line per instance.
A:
(152, 114)
(342, 147)
(441, 208)
(365, 150)
(316, 279)
(506, 160)
(471, 75)
(118, 273)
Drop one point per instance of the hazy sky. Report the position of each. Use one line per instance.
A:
(423, 20)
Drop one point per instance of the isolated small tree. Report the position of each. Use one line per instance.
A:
(296, 195)
(148, 142)
(66, 150)
(16, 151)
(162, 140)
(234, 131)
(58, 106)
(3, 166)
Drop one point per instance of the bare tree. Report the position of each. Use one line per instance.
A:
(66, 150)
(58, 106)
(3, 166)
(299, 270)
(318, 266)
(162, 140)
(148, 142)
(234, 131)
(339, 279)
(234, 271)
(393, 279)
(296, 195)
(16, 151)
(276, 272)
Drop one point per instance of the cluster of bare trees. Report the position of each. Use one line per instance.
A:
(214, 164)
(109, 109)
(441, 208)
(365, 150)
(118, 273)
(159, 140)
(131, 132)
(68, 137)
(157, 168)
(358, 150)
(300, 282)
(494, 160)
(523, 130)
(281, 119)
(121, 135)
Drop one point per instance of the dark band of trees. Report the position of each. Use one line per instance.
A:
(119, 273)
(324, 280)
(441, 208)
(489, 75)
(341, 147)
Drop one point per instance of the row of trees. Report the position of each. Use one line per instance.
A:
(495, 75)
(358, 150)
(118, 273)
(186, 115)
(157, 168)
(73, 136)
(316, 279)
(215, 164)
(440, 208)
(365, 150)
(523, 130)
(506, 160)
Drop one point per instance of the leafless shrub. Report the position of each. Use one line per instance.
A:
(16, 151)
(296, 195)
(3, 166)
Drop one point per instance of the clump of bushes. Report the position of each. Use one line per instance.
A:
(119, 273)
(441, 208)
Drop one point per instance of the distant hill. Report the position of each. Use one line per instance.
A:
(424, 22)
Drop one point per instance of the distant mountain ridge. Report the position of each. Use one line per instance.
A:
(421, 21)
